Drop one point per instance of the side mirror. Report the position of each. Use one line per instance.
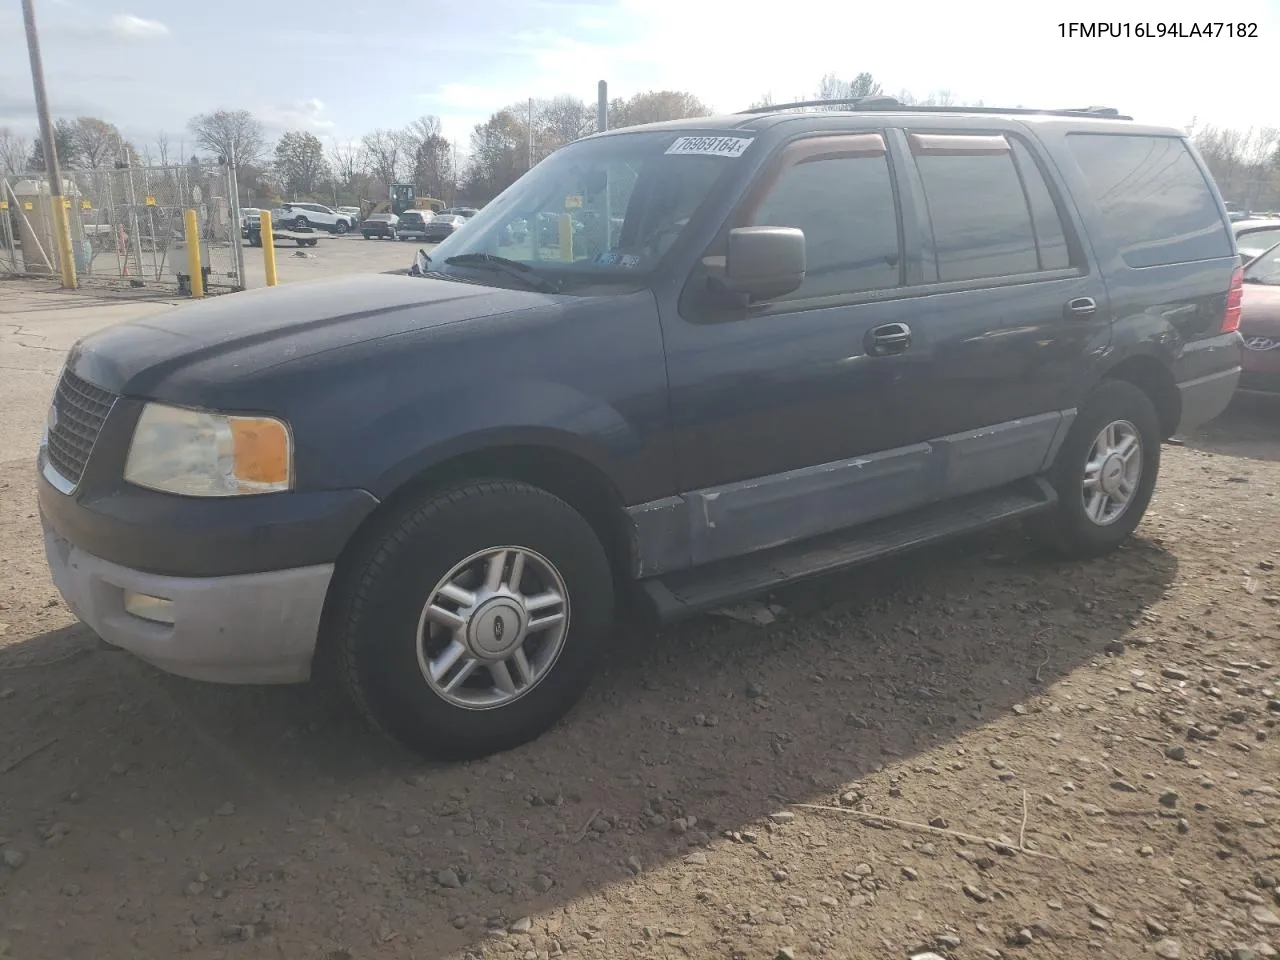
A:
(764, 262)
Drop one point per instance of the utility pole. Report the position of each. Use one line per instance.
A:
(62, 225)
(530, 129)
(602, 107)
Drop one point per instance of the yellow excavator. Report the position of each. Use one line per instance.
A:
(403, 196)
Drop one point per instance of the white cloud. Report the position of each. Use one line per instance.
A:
(125, 26)
(299, 115)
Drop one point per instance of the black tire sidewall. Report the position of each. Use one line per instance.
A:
(1112, 400)
(381, 649)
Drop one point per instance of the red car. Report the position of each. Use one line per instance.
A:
(1260, 324)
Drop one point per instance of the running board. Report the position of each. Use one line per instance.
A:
(683, 594)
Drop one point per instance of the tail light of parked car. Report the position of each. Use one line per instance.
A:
(1235, 295)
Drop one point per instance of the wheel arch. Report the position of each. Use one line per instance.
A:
(1153, 377)
(539, 461)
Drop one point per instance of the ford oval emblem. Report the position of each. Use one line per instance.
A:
(499, 628)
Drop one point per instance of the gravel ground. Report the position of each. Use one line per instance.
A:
(971, 752)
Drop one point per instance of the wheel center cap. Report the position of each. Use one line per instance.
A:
(1112, 474)
(496, 629)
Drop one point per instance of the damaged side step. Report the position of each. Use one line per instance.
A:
(683, 594)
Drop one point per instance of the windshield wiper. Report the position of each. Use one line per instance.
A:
(512, 268)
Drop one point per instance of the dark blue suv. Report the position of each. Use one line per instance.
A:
(735, 352)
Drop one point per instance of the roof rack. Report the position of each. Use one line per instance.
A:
(893, 103)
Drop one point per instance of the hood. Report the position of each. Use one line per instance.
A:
(1260, 310)
(227, 338)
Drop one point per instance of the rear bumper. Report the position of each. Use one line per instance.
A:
(251, 628)
(1205, 398)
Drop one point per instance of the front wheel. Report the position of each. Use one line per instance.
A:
(1105, 471)
(474, 619)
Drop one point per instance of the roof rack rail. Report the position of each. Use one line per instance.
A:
(857, 103)
(893, 103)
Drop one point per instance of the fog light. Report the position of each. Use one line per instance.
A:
(156, 609)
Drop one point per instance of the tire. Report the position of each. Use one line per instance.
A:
(301, 223)
(379, 609)
(342, 227)
(311, 243)
(1070, 530)
(366, 236)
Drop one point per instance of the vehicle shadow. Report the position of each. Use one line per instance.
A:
(1249, 428)
(309, 830)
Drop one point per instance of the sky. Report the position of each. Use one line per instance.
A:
(340, 68)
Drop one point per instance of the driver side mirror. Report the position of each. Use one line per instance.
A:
(764, 262)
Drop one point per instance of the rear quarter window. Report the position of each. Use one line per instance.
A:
(1154, 198)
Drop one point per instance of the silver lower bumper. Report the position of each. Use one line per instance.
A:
(253, 628)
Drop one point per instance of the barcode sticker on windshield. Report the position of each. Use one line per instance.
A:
(711, 146)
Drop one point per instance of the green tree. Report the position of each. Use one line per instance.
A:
(499, 155)
(97, 143)
(432, 157)
(300, 163)
(64, 141)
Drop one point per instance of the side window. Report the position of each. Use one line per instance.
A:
(1156, 202)
(843, 200)
(1051, 238)
(977, 207)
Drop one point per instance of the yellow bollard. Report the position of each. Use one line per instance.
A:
(66, 259)
(566, 237)
(193, 255)
(268, 247)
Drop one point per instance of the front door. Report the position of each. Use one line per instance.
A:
(789, 416)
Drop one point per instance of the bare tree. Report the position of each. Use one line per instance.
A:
(385, 151)
(1242, 163)
(162, 148)
(562, 120)
(346, 160)
(13, 152)
(231, 134)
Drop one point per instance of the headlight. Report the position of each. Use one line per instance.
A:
(198, 454)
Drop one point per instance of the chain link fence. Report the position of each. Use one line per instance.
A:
(127, 226)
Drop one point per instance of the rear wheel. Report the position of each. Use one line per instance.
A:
(366, 236)
(474, 620)
(1105, 471)
(342, 227)
(301, 223)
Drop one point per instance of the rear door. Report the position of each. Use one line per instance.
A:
(787, 423)
(1009, 307)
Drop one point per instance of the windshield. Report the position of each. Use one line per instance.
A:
(1266, 269)
(599, 211)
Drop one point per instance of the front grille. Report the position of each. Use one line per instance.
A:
(81, 408)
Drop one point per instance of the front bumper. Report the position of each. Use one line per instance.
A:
(249, 628)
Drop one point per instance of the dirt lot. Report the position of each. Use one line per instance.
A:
(1095, 745)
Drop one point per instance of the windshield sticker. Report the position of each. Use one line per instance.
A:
(573, 202)
(710, 146)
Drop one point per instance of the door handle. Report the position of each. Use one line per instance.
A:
(1082, 307)
(887, 340)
